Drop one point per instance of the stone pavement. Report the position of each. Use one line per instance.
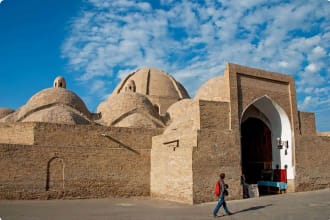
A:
(303, 205)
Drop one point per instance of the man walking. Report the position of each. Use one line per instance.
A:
(221, 200)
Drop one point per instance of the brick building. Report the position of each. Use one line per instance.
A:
(149, 138)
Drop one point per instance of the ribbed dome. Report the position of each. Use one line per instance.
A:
(129, 109)
(5, 111)
(214, 89)
(161, 88)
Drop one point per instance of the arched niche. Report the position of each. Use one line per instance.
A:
(55, 174)
(130, 87)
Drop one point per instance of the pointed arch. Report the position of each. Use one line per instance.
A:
(274, 116)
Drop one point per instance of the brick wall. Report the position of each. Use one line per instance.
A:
(307, 123)
(16, 133)
(248, 84)
(80, 166)
(214, 115)
(171, 167)
(217, 152)
(251, 88)
(91, 135)
(312, 163)
(188, 173)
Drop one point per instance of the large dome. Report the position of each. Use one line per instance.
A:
(128, 109)
(161, 88)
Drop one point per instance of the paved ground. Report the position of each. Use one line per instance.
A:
(306, 205)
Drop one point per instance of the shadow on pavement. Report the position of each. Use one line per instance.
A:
(253, 208)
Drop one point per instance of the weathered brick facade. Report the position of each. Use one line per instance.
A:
(76, 161)
(146, 146)
(252, 93)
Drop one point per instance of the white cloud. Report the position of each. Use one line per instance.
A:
(97, 85)
(283, 64)
(318, 52)
(311, 68)
(307, 101)
(308, 90)
(194, 40)
(1, 1)
(324, 90)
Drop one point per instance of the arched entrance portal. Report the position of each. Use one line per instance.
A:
(266, 143)
(256, 145)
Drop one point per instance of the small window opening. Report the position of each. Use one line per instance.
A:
(157, 108)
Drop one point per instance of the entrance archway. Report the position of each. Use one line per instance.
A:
(264, 124)
(256, 146)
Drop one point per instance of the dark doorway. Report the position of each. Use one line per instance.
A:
(256, 147)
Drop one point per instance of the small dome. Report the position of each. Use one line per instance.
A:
(214, 89)
(160, 88)
(5, 111)
(57, 114)
(47, 99)
(128, 109)
(183, 115)
(59, 82)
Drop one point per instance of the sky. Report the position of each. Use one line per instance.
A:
(93, 44)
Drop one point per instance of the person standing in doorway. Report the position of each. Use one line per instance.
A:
(245, 187)
(222, 193)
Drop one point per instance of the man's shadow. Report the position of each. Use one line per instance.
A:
(253, 208)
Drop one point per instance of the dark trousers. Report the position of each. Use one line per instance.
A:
(221, 202)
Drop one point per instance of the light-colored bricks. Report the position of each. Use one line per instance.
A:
(162, 144)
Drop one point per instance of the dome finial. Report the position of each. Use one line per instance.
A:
(59, 82)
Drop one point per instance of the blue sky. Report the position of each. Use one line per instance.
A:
(94, 43)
